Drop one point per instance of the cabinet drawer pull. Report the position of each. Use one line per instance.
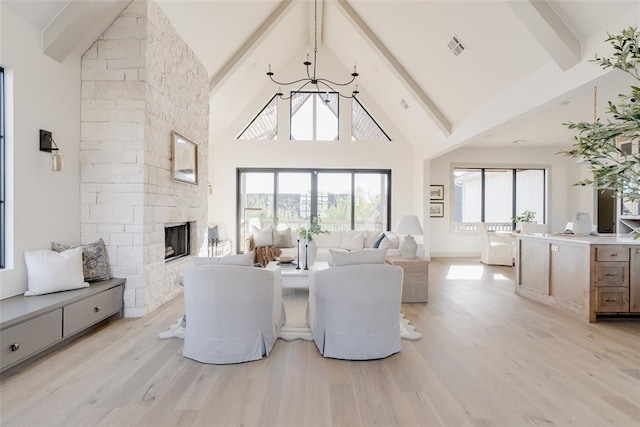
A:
(15, 346)
(610, 275)
(611, 299)
(96, 309)
(614, 254)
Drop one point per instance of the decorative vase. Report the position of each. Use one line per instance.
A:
(582, 223)
(312, 252)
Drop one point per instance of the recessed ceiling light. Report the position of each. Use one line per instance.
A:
(565, 102)
(517, 141)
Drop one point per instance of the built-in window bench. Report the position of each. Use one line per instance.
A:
(31, 325)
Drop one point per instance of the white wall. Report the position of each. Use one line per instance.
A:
(563, 199)
(46, 95)
(226, 156)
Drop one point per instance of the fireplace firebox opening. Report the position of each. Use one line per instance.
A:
(176, 240)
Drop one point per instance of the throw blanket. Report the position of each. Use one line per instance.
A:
(264, 254)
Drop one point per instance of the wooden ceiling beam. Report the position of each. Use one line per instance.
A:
(549, 30)
(251, 44)
(78, 25)
(410, 84)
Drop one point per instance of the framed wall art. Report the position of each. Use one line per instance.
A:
(184, 156)
(436, 192)
(436, 209)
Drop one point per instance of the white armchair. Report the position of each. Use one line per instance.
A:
(354, 310)
(233, 313)
(494, 252)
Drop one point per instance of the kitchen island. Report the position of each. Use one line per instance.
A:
(592, 277)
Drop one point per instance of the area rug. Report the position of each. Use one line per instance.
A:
(296, 326)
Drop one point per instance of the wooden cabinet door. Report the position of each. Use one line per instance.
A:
(634, 281)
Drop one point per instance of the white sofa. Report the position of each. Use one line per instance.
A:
(345, 240)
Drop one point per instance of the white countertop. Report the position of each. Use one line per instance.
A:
(602, 239)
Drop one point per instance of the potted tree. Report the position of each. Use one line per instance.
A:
(599, 144)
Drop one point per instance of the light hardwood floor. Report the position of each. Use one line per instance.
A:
(487, 358)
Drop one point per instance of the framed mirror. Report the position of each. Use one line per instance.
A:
(184, 156)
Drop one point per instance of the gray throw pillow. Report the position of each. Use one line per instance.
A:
(95, 261)
(378, 241)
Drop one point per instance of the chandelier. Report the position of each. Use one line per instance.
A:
(321, 85)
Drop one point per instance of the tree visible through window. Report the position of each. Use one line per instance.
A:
(291, 198)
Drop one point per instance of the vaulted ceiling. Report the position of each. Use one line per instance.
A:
(524, 71)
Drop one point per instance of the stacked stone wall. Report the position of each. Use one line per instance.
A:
(140, 82)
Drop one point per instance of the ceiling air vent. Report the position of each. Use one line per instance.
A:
(456, 46)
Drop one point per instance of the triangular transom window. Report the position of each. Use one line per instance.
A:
(363, 126)
(265, 124)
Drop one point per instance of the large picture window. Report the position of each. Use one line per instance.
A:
(340, 199)
(495, 195)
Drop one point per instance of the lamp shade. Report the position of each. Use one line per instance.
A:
(409, 224)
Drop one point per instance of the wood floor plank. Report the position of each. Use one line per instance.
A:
(487, 357)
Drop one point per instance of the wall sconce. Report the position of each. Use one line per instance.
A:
(48, 145)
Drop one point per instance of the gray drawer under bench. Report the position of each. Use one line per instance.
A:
(31, 325)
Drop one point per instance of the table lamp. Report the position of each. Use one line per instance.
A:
(408, 225)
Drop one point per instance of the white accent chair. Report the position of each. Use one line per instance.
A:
(354, 310)
(532, 227)
(493, 252)
(233, 313)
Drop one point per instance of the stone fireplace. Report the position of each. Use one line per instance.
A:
(140, 82)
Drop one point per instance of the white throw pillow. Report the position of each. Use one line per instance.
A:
(49, 271)
(331, 239)
(352, 240)
(262, 237)
(282, 238)
(391, 241)
(239, 259)
(363, 256)
(370, 238)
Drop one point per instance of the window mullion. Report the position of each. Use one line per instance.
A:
(353, 201)
(314, 195)
(514, 192)
(276, 191)
(315, 118)
(482, 195)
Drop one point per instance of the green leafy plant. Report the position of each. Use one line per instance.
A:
(314, 229)
(598, 143)
(526, 216)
